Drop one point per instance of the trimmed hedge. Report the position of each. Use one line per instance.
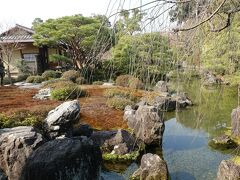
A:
(51, 74)
(129, 81)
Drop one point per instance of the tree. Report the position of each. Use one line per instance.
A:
(8, 44)
(83, 38)
(147, 56)
(128, 23)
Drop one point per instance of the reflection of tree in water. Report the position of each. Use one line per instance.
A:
(212, 109)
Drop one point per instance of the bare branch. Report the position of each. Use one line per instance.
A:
(202, 22)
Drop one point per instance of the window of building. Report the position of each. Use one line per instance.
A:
(30, 57)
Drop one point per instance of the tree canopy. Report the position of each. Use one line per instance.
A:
(83, 38)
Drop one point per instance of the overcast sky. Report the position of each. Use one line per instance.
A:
(25, 11)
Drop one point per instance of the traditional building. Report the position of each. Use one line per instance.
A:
(17, 44)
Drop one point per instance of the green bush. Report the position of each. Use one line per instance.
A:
(129, 81)
(71, 75)
(50, 74)
(70, 92)
(97, 83)
(80, 80)
(119, 103)
(30, 79)
(38, 79)
(21, 118)
(57, 83)
(22, 77)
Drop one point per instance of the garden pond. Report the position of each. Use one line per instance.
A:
(187, 133)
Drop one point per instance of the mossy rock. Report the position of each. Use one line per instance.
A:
(121, 158)
(223, 142)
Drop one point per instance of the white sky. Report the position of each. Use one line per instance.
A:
(25, 11)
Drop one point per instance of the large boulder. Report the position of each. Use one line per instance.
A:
(115, 142)
(152, 167)
(169, 102)
(60, 120)
(228, 170)
(147, 123)
(75, 158)
(16, 144)
(236, 121)
(161, 86)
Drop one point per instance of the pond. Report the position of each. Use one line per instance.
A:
(187, 132)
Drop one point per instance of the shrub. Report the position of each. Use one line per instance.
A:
(97, 83)
(21, 118)
(119, 103)
(109, 93)
(22, 77)
(50, 74)
(71, 75)
(129, 81)
(123, 80)
(80, 80)
(57, 83)
(70, 92)
(30, 79)
(135, 83)
(38, 79)
(34, 79)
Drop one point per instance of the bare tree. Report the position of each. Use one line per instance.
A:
(9, 42)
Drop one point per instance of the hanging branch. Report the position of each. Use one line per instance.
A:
(202, 22)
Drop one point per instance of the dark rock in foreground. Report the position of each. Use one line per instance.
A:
(236, 121)
(2, 175)
(16, 144)
(60, 120)
(152, 167)
(76, 158)
(147, 123)
(228, 170)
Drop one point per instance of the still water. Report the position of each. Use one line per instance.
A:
(187, 132)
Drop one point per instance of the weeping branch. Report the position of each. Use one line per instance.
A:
(202, 22)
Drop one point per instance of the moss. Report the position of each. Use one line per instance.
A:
(228, 132)
(119, 102)
(126, 157)
(236, 160)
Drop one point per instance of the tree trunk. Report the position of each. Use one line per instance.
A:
(9, 74)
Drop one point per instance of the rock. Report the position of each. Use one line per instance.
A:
(236, 121)
(75, 158)
(16, 144)
(168, 103)
(2, 175)
(161, 86)
(120, 149)
(152, 167)
(115, 142)
(222, 142)
(182, 100)
(60, 120)
(83, 130)
(108, 84)
(228, 170)
(43, 94)
(147, 123)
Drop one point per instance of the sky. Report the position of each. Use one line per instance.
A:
(25, 11)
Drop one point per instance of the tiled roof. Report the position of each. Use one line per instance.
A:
(14, 35)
